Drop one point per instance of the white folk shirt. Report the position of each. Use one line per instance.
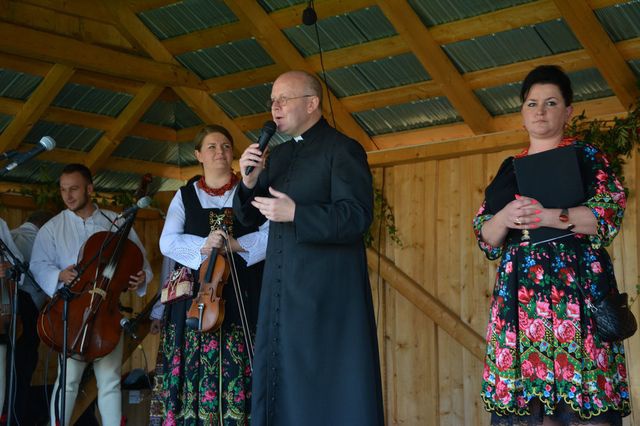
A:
(24, 236)
(185, 248)
(59, 241)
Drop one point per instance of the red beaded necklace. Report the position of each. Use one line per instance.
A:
(217, 192)
(564, 142)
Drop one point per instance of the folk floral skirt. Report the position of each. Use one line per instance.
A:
(204, 381)
(543, 353)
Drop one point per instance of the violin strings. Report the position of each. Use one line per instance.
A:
(240, 301)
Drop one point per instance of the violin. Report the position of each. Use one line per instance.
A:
(107, 261)
(206, 312)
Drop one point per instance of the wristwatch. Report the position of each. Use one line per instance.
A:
(564, 217)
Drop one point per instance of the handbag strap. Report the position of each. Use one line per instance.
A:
(587, 299)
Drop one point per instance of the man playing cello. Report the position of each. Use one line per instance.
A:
(53, 263)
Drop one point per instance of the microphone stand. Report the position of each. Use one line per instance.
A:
(19, 268)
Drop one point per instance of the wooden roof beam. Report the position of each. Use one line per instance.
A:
(33, 108)
(439, 66)
(588, 30)
(198, 100)
(246, 78)
(127, 119)
(283, 52)
(53, 48)
(292, 16)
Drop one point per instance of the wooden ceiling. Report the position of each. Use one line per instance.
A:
(105, 44)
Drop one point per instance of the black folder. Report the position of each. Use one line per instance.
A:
(553, 178)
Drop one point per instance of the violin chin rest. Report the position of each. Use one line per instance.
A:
(192, 323)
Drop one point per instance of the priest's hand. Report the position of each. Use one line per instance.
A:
(253, 157)
(280, 208)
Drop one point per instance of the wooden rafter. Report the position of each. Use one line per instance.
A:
(283, 52)
(611, 64)
(199, 100)
(122, 126)
(64, 50)
(439, 66)
(31, 110)
(247, 78)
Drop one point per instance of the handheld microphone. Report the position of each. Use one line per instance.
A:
(45, 144)
(268, 129)
(142, 203)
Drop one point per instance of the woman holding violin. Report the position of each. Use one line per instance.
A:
(56, 258)
(204, 367)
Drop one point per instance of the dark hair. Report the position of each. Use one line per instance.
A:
(207, 130)
(78, 168)
(548, 74)
(40, 217)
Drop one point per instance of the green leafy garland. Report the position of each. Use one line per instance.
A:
(382, 215)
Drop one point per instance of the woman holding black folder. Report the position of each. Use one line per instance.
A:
(544, 362)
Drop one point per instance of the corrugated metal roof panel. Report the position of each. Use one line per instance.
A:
(512, 46)
(277, 138)
(273, 5)
(434, 12)
(35, 171)
(587, 84)
(114, 181)
(186, 16)
(245, 101)
(635, 66)
(4, 121)
(67, 136)
(176, 115)
(396, 118)
(138, 148)
(17, 85)
(91, 99)
(376, 75)
(226, 58)
(621, 21)
(339, 31)
(500, 100)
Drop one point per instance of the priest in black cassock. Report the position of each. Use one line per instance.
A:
(316, 359)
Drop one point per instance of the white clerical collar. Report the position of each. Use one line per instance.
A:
(298, 138)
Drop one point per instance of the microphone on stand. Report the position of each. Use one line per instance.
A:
(129, 327)
(142, 203)
(47, 143)
(268, 129)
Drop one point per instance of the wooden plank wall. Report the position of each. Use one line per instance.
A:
(429, 378)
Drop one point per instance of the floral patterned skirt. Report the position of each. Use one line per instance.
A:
(543, 354)
(204, 381)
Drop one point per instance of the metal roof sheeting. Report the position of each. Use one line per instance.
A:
(340, 31)
(176, 115)
(35, 171)
(186, 16)
(273, 5)
(4, 121)
(138, 148)
(226, 58)
(67, 136)
(587, 84)
(395, 118)
(621, 21)
(435, 12)
(91, 99)
(245, 101)
(17, 85)
(512, 46)
(376, 75)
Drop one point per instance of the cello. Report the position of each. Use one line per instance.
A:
(107, 261)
